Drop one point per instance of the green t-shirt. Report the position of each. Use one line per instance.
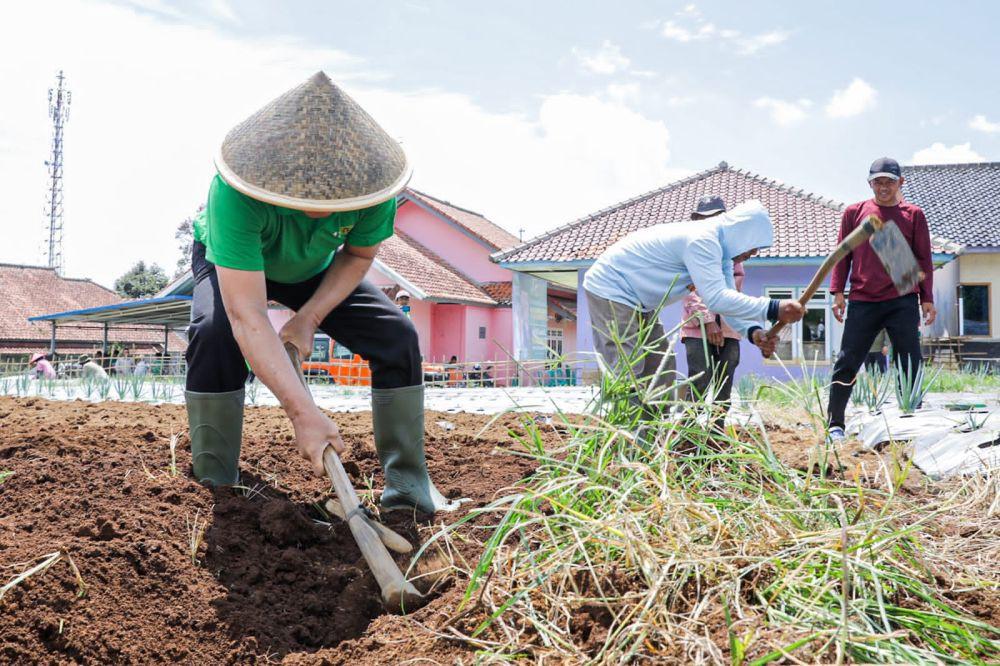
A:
(289, 246)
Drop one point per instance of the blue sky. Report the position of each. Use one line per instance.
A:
(533, 113)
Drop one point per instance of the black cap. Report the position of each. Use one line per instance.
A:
(884, 167)
(710, 204)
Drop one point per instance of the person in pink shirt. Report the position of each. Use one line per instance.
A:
(716, 354)
(41, 368)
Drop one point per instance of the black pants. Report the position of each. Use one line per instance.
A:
(876, 362)
(900, 317)
(366, 322)
(720, 365)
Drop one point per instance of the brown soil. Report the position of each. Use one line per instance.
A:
(267, 583)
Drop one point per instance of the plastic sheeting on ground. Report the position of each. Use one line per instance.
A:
(947, 440)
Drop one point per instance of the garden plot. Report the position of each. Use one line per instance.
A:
(156, 390)
(951, 433)
(588, 541)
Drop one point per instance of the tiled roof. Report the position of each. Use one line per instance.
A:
(501, 292)
(805, 225)
(496, 236)
(961, 201)
(29, 291)
(429, 272)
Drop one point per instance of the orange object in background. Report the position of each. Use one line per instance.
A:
(336, 363)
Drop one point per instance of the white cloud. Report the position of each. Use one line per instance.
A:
(938, 153)
(752, 44)
(692, 27)
(672, 30)
(690, 10)
(853, 100)
(980, 123)
(143, 130)
(624, 92)
(606, 60)
(680, 100)
(782, 112)
(221, 9)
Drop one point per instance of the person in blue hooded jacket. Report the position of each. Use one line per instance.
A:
(653, 267)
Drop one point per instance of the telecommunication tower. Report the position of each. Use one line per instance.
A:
(59, 100)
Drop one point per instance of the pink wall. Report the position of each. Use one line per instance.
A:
(477, 349)
(447, 336)
(502, 334)
(454, 246)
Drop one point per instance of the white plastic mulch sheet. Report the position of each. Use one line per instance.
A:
(946, 442)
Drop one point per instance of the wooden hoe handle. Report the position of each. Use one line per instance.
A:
(397, 592)
(860, 234)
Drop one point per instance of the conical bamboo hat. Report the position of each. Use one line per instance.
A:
(313, 149)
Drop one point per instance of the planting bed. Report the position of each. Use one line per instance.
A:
(267, 583)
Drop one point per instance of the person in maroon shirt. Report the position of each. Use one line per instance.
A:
(875, 302)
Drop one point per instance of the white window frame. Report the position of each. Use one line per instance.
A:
(554, 336)
(821, 300)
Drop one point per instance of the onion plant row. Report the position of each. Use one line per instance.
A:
(649, 536)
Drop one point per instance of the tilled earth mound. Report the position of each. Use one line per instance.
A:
(175, 572)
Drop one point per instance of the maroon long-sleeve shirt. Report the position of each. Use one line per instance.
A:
(869, 281)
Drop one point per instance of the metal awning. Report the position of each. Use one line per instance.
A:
(170, 311)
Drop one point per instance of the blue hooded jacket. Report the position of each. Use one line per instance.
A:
(653, 267)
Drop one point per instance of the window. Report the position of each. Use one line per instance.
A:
(555, 343)
(808, 339)
(482, 332)
(342, 352)
(321, 349)
(974, 309)
(786, 339)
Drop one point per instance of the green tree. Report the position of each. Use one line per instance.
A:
(141, 281)
(185, 239)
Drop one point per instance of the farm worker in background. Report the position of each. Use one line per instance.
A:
(41, 368)
(141, 367)
(88, 368)
(305, 192)
(717, 356)
(124, 365)
(875, 303)
(878, 354)
(647, 269)
(403, 302)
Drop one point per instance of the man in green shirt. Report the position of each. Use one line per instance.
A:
(305, 192)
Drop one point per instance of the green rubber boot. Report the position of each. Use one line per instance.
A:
(215, 421)
(398, 420)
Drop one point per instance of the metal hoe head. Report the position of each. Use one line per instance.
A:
(897, 257)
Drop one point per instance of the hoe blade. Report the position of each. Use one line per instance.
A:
(896, 257)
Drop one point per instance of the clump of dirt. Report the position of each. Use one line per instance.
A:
(268, 579)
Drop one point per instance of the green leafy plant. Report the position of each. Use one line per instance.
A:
(120, 384)
(136, 386)
(89, 386)
(659, 526)
(873, 389)
(912, 385)
(22, 384)
(747, 387)
(103, 385)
